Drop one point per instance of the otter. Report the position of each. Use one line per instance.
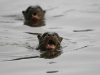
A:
(34, 16)
(49, 41)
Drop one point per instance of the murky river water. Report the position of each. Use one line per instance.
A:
(77, 21)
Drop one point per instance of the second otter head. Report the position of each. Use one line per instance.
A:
(34, 16)
(33, 13)
(49, 41)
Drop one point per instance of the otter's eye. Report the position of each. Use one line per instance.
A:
(45, 34)
(53, 35)
(48, 35)
(56, 34)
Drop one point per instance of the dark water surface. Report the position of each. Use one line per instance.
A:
(77, 21)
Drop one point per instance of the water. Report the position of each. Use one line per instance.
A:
(77, 21)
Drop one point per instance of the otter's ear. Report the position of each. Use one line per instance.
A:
(39, 36)
(44, 11)
(23, 12)
(61, 39)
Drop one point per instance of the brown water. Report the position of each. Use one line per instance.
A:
(77, 21)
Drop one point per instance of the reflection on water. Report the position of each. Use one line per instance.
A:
(43, 54)
(16, 17)
(87, 30)
(58, 15)
(20, 58)
(50, 54)
(37, 23)
(6, 22)
(52, 71)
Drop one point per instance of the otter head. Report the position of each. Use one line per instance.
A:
(33, 13)
(49, 41)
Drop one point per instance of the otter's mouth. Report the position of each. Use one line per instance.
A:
(35, 16)
(51, 45)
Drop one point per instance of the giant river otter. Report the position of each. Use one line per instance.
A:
(49, 41)
(34, 16)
